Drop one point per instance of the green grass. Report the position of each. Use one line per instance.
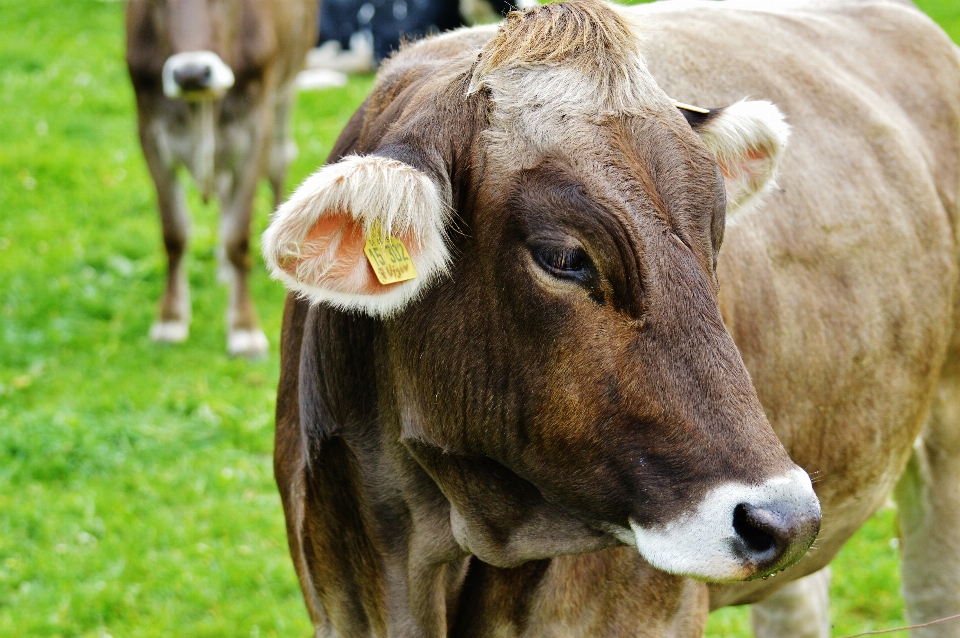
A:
(136, 489)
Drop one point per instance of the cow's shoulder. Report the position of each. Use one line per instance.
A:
(749, 38)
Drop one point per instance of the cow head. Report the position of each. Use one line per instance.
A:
(199, 45)
(198, 49)
(560, 367)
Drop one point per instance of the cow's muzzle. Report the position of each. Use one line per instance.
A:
(196, 75)
(737, 532)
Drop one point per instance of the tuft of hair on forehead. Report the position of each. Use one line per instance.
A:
(578, 33)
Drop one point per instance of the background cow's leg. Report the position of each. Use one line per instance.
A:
(928, 496)
(173, 322)
(283, 149)
(801, 609)
(244, 336)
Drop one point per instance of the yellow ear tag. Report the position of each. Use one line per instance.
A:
(388, 256)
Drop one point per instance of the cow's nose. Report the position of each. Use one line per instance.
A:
(196, 75)
(771, 537)
(193, 77)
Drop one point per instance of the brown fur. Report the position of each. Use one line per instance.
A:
(452, 462)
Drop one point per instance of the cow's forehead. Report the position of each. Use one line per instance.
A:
(553, 77)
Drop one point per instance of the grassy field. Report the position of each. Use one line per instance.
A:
(136, 490)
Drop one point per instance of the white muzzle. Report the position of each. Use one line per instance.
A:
(196, 75)
(737, 531)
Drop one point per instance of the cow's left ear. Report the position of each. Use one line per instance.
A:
(747, 139)
(316, 241)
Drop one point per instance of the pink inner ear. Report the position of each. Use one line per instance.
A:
(748, 170)
(333, 257)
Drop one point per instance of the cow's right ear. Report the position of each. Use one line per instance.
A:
(315, 242)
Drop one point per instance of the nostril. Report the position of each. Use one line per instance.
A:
(752, 531)
(193, 77)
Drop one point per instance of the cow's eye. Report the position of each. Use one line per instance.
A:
(563, 262)
(570, 263)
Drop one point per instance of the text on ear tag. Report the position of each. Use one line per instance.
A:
(388, 256)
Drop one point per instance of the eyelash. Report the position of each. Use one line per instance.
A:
(562, 262)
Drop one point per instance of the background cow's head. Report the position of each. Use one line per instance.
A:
(560, 367)
(198, 47)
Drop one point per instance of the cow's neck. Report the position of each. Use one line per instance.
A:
(398, 570)
(422, 567)
(395, 584)
(376, 533)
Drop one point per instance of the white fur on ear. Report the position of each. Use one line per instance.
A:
(747, 139)
(315, 240)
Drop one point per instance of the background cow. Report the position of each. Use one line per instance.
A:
(214, 87)
(464, 453)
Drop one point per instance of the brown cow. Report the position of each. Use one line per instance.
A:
(472, 452)
(214, 86)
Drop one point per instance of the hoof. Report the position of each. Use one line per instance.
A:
(169, 331)
(248, 343)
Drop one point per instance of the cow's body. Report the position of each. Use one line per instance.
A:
(840, 291)
(222, 113)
